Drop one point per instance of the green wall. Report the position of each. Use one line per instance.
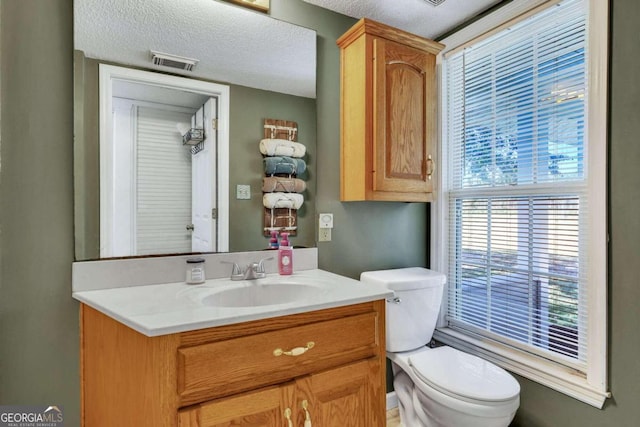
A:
(38, 318)
(249, 107)
(39, 360)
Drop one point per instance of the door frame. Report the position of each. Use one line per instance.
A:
(109, 73)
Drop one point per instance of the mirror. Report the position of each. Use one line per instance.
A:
(222, 42)
(250, 102)
(159, 189)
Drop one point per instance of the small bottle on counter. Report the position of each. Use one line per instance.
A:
(195, 271)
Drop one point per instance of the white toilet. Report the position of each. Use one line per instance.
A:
(440, 386)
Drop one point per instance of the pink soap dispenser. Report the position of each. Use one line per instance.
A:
(273, 242)
(285, 256)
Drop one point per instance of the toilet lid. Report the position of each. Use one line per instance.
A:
(463, 375)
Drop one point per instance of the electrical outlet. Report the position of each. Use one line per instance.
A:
(243, 192)
(324, 235)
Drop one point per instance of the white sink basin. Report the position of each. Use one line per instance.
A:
(257, 295)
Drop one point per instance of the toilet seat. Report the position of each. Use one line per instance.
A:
(463, 376)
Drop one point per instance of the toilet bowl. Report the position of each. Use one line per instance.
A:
(438, 387)
(446, 387)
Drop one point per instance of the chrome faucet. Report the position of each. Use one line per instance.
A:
(254, 270)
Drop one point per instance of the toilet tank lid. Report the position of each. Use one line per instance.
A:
(405, 279)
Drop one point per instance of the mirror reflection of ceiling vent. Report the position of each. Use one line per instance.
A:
(435, 2)
(173, 61)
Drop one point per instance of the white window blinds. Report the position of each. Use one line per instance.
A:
(517, 180)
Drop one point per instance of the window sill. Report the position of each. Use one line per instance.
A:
(542, 371)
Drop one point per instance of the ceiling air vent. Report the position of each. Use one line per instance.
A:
(435, 2)
(173, 61)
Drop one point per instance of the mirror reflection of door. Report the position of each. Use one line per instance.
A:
(158, 195)
(162, 182)
(204, 210)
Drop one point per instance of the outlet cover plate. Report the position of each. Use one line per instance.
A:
(324, 235)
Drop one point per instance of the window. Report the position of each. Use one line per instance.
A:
(522, 206)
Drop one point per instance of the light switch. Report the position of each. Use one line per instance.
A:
(243, 192)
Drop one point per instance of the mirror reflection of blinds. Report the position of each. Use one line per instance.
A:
(163, 168)
(518, 185)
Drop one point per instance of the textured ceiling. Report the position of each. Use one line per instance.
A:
(415, 16)
(233, 44)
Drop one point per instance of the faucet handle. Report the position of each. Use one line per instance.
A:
(236, 273)
(260, 267)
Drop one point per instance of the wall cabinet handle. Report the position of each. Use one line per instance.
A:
(294, 351)
(307, 416)
(431, 166)
(287, 416)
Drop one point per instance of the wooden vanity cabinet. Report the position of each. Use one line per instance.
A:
(238, 374)
(388, 114)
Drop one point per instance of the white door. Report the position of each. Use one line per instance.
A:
(162, 182)
(203, 184)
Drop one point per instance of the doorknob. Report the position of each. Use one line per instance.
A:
(190, 227)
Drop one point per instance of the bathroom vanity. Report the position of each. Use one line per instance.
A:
(156, 363)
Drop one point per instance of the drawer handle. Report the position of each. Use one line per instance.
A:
(287, 416)
(307, 416)
(294, 351)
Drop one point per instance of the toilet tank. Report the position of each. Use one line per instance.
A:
(412, 319)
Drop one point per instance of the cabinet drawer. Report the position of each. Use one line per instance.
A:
(227, 367)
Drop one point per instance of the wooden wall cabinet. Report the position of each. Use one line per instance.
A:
(388, 114)
(232, 376)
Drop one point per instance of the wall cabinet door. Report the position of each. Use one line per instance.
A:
(388, 114)
(404, 117)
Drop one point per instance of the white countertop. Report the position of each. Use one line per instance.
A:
(177, 307)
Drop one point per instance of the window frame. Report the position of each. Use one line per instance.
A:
(592, 387)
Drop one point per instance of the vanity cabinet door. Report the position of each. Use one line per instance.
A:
(349, 396)
(264, 408)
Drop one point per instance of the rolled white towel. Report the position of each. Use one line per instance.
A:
(282, 147)
(282, 200)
